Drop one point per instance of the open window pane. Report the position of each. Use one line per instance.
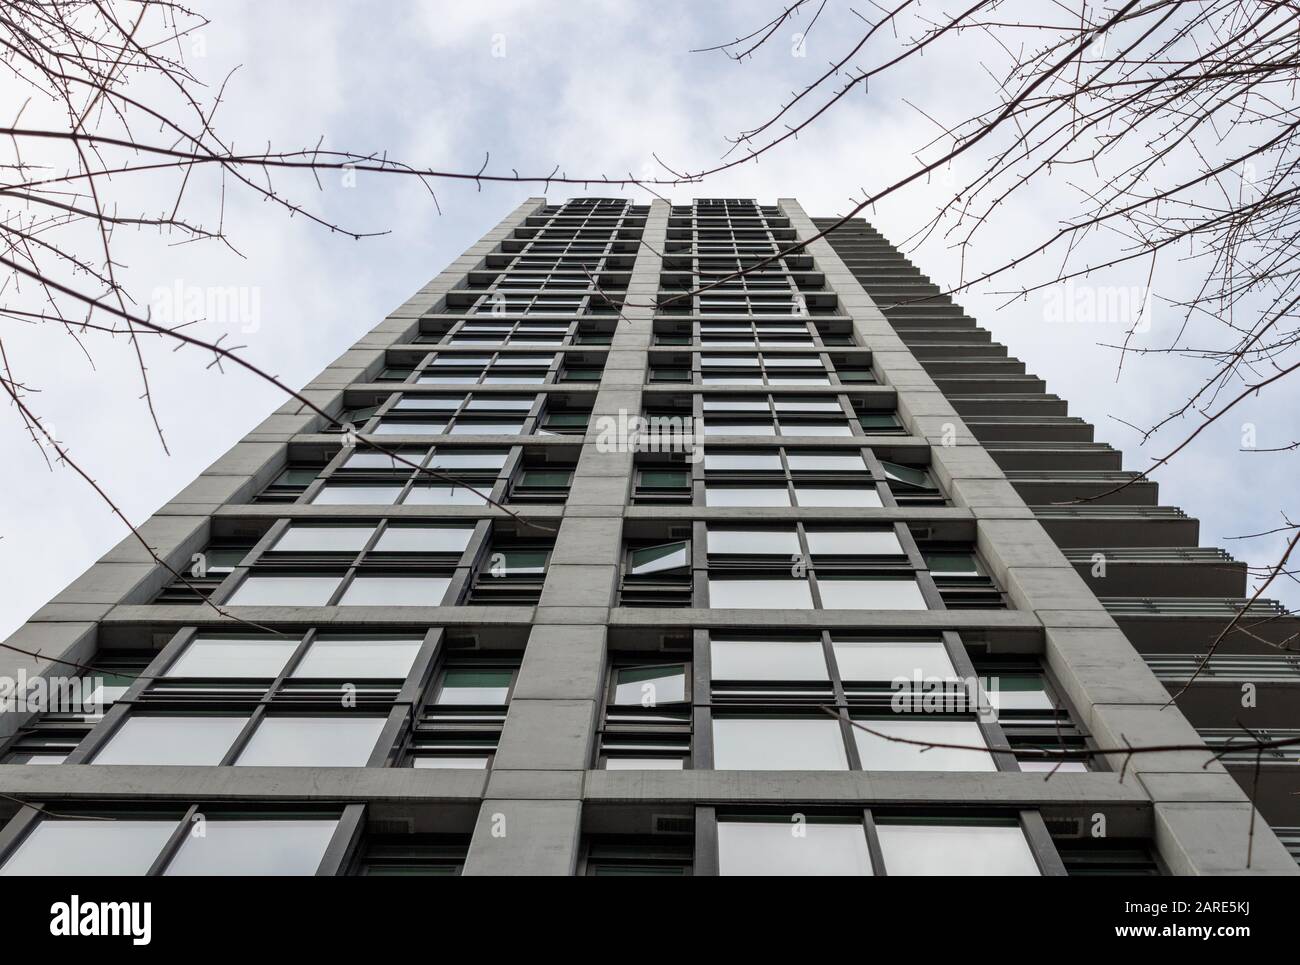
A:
(778, 744)
(85, 847)
(767, 659)
(664, 558)
(175, 739)
(802, 847)
(253, 658)
(880, 753)
(955, 849)
(312, 742)
(259, 846)
(650, 686)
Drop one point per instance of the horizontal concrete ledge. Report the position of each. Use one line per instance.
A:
(153, 783)
(336, 616)
(849, 787)
(415, 785)
(1001, 620)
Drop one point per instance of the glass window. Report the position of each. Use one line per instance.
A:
(953, 565)
(665, 478)
(468, 459)
(466, 686)
(836, 496)
(391, 590)
(1012, 691)
(826, 462)
(201, 739)
(381, 461)
(934, 848)
(644, 764)
(663, 558)
(426, 495)
(409, 427)
(870, 593)
(792, 847)
(359, 658)
(89, 847)
(650, 686)
(312, 742)
(258, 846)
(879, 753)
(789, 428)
(458, 762)
(212, 655)
(906, 474)
(751, 594)
(714, 428)
(424, 539)
(306, 538)
(749, 461)
(753, 542)
(356, 494)
(260, 589)
(767, 659)
(746, 496)
(467, 428)
(778, 744)
(863, 661)
(853, 542)
(517, 562)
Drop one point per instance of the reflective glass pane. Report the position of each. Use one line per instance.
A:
(311, 742)
(424, 539)
(85, 847)
(261, 846)
(255, 658)
(880, 660)
(288, 590)
(175, 739)
(853, 542)
(659, 559)
(752, 594)
(753, 542)
(778, 744)
(389, 590)
(955, 849)
(359, 658)
(650, 686)
(792, 848)
(345, 494)
(836, 496)
(304, 538)
(474, 687)
(879, 753)
(746, 496)
(864, 593)
(767, 659)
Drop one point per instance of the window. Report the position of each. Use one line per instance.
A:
(473, 686)
(393, 590)
(879, 752)
(854, 542)
(663, 558)
(650, 686)
(356, 494)
(875, 660)
(307, 538)
(945, 847)
(792, 846)
(778, 744)
(219, 655)
(369, 657)
(89, 847)
(235, 846)
(171, 739)
(427, 540)
(746, 496)
(287, 589)
(757, 594)
(283, 741)
(836, 496)
(796, 659)
(842, 592)
(753, 542)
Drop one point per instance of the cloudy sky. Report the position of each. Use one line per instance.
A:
(596, 88)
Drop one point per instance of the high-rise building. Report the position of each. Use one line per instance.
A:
(586, 570)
